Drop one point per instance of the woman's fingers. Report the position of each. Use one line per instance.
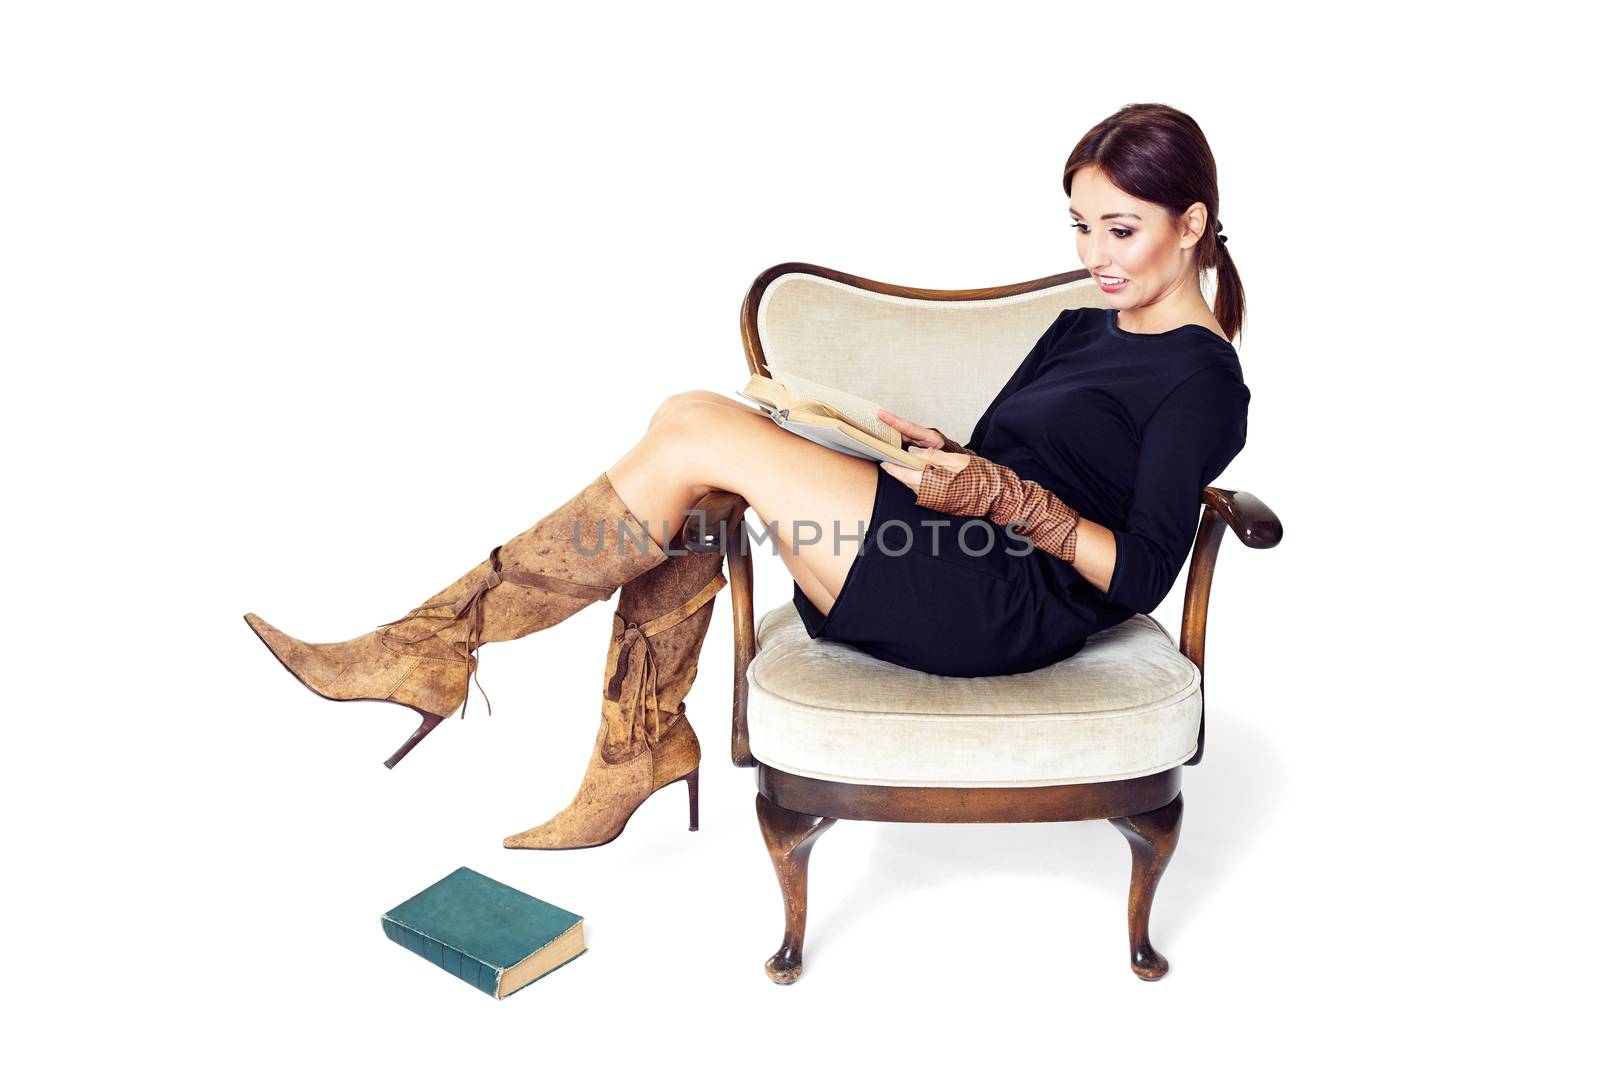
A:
(905, 475)
(918, 433)
(896, 421)
(955, 461)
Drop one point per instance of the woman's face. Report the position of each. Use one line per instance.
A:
(1136, 255)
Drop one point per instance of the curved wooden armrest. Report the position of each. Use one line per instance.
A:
(1250, 519)
(711, 519)
(716, 524)
(1255, 524)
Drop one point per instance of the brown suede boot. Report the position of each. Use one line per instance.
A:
(578, 554)
(645, 740)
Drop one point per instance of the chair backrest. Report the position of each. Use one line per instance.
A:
(938, 356)
(934, 356)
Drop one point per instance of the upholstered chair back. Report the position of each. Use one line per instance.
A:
(936, 361)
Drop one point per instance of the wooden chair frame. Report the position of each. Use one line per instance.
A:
(794, 810)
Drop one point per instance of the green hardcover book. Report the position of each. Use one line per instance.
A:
(485, 932)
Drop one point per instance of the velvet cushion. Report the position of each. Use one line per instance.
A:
(1126, 705)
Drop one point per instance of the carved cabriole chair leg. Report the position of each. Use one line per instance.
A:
(1152, 836)
(789, 836)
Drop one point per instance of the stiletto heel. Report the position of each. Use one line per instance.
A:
(429, 721)
(693, 781)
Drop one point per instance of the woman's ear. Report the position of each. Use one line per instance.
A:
(1193, 224)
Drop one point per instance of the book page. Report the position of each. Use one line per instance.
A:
(858, 411)
(840, 441)
(767, 393)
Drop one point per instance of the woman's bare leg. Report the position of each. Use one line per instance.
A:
(701, 440)
(794, 561)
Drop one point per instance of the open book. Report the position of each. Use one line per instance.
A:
(829, 416)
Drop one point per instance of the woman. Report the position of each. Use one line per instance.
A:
(1086, 470)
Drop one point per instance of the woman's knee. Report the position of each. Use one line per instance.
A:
(679, 402)
(689, 406)
(698, 437)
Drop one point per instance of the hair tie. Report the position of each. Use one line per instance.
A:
(1221, 240)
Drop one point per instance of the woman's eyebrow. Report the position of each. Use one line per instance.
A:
(1110, 214)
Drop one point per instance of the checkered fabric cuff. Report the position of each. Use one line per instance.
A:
(950, 444)
(996, 492)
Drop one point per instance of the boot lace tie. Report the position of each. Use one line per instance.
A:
(470, 606)
(644, 704)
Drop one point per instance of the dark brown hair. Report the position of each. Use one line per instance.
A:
(1157, 153)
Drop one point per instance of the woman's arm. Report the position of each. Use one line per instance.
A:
(996, 492)
(1097, 554)
(1195, 432)
(1190, 439)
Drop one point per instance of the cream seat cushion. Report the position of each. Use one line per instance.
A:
(1127, 704)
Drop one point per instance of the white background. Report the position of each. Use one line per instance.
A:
(286, 292)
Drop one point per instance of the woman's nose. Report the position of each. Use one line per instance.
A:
(1093, 256)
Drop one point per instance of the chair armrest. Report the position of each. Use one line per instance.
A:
(711, 519)
(1253, 523)
(716, 524)
(1250, 519)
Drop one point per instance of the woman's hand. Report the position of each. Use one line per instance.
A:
(911, 476)
(911, 432)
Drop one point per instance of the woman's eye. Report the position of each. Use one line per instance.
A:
(1083, 227)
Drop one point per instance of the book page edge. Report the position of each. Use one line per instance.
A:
(541, 962)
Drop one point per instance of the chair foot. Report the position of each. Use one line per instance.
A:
(1152, 836)
(789, 836)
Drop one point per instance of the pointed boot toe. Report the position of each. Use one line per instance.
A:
(278, 642)
(364, 668)
(611, 790)
(317, 666)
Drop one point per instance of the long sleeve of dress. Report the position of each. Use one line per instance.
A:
(1189, 440)
(998, 493)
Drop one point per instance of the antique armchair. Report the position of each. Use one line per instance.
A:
(834, 733)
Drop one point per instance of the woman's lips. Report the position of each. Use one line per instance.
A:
(1107, 287)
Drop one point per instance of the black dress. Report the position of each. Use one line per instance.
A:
(1127, 428)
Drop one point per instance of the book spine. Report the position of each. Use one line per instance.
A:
(469, 969)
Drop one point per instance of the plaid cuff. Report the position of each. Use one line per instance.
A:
(971, 491)
(997, 493)
(950, 444)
